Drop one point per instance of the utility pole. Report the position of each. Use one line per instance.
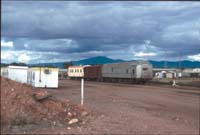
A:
(82, 91)
(165, 62)
(179, 60)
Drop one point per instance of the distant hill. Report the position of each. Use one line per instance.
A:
(96, 60)
(56, 64)
(90, 61)
(105, 60)
(175, 64)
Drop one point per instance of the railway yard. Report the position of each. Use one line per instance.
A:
(127, 109)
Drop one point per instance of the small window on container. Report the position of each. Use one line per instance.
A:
(144, 69)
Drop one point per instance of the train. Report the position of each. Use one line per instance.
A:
(138, 72)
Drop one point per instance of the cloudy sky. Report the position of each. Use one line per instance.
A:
(45, 31)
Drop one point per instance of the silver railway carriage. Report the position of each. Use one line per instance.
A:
(134, 72)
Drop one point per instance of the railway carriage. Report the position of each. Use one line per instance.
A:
(134, 72)
(76, 72)
(92, 72)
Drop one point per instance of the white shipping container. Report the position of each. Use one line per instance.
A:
(18, 73)
(4, 72)
(43, 77)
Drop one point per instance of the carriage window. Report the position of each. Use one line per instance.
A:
(80, 70)
(127, 71)
(133, 71)
(144, 69)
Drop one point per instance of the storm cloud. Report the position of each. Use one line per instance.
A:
(60, 31)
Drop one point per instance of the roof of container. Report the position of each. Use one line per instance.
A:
(79, 66)
(18, 67)
(93, 66)
(74, 66)
(43, 68)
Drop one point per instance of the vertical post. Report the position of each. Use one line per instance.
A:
(82, 90)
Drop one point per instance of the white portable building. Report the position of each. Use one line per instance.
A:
(17, 73)
(4, 72)
(43, 77)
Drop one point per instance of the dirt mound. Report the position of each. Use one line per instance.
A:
(21, 105)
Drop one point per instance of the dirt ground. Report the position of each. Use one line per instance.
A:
(194, 82)
(25, 109)
(133, 109)
(113, 108)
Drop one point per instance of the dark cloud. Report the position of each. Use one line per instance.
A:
(87, 28)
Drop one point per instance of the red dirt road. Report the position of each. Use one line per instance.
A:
(134, 109)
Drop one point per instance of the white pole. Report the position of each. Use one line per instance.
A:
(82, 91)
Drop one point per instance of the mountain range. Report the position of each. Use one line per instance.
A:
(105, 60)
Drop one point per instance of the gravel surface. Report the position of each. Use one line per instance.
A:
(113, 108)
(134, 109)
(24, 109)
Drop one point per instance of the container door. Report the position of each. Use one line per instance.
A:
(138, 71)
(47, 78)
(33, 78)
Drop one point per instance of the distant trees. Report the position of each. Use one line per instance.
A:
(4, 65)
(67, 64)
(49, 65)
(18, 64)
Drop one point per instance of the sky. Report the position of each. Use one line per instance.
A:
(59, 31)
